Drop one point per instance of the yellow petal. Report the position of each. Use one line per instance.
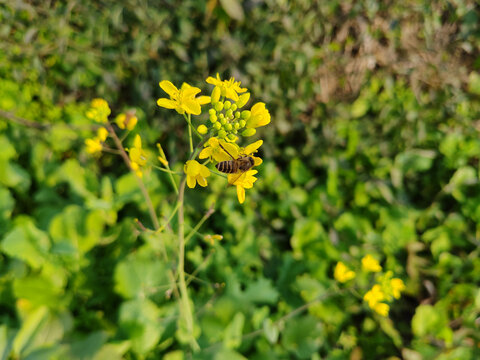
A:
(231, 94)
(191, 181)
(240, 194)
(204, 171)
(202, 100)
(192, 107)
(201, 181)
(190, 91)
(257, 161)
(166, 103)
(205, 153)
(137, 142)
(169, 88)
(250, 149)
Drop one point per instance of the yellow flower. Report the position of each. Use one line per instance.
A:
(229, 88)
(211, 238)
(342, 273)
(370, 264)
(381, 309)
(93, 146)
(196, 173)
(214, 151)
(397, 287)
(249, 150)
(374, 296)
(242, 182)
(138, 157)
(183, 100)
(259, 116)
(102, 134)
(126, 120)
(99, 111)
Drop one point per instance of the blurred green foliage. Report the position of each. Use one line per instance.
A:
(373, 148)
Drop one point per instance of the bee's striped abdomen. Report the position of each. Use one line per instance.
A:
(227, 167)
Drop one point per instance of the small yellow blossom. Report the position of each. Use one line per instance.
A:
(102, 134)
(214, 151)
(381, 308)
(342, 273)
(374, 296)
(183, 100)
(259, 116)
(99, 111)
(397, 287)
(242, 182)
(229, 88)
(126, 120)
(202, 129)
(196, 173)
(370, 264)
(162, 158)
(212, 238)
(93, 146)
(138, 157)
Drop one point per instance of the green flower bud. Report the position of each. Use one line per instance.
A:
(222, 134)
(242, 123)
(227, 104)
(212, 112)
(216, 95)
(236, 125)
(223, 121)
(246, 114)
(249, 132)
(238, 114)
(221, 116)
(234, 107)
(229, 113)
(213, 118)
(219, 106)
(242, 100)
(217, 125)
(232, 137)
(202, 129)
(235, 131)
(228, 127)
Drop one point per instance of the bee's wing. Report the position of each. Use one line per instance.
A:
(236, 178)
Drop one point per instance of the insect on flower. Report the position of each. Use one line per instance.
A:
(238, 165)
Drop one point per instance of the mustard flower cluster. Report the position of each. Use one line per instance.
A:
(385, 289)
(226, 125)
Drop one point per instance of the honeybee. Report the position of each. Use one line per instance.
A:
(239, 165)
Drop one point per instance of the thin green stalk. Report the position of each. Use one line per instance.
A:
(184, 299)
(199, 224)
(189, 121)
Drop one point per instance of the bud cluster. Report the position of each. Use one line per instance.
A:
(226, 119)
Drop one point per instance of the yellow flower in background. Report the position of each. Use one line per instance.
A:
(212, 238)
(126, 120)
(242, 182)
(99, 111)
(374, 296)
(397, 287)
(228, 88)
(138, 157)
(196, 173)
(259, 116)
(342, 273)
(183, 100)
(102, 134)
(93, 146)
(370, 264)
(381, 308)
(214, 151)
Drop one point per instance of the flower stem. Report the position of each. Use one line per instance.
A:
(184, 300)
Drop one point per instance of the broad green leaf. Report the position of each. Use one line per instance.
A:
(38, 290)
(233, 8)
(303, 336)
(228, 354)
(88, 347)
(232, 338)
(136, 277)
(261, 291)
(299, 173)
(139, 321)
(27, 243)
(6, 206)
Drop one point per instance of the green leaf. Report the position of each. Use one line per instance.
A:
(6, 206)
(137, 277)
(39, 330)
(270, 331)
(139, 321)
(27, 243)
(261, 291)
(37, 289)
(474, 83)
(303, 336)
(88, 347)
(299, 173)
(233, 333)
(233, 8)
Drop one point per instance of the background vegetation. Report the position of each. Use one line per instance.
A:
(373, 148)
